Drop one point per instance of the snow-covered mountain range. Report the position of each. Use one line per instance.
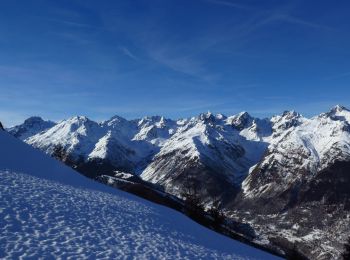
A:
(267, 166)
(299, 153)
(49, 211)
(151, 146)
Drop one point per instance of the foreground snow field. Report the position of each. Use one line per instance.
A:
(48, 210)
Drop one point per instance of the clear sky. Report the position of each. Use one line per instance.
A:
(173, 58)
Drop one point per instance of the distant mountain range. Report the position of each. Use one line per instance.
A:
(49, 211)
(287, 176)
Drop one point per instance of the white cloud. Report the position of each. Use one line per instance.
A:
(127, 52)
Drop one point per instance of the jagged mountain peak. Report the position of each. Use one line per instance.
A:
(340, 113)
(290, 114)
(241, 120)
(339, 108)
(159, 122)
(244, 114)
(337, 113)
(79, 124)
(286, 120)
(150, 119)
(116, 118)
(76, 135)
(155, 130)
(77, 119)
(33, 119)
(206, 117)
(209, 119)
(30, 127)
(118, 123)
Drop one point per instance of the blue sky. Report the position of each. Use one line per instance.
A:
(173, 58)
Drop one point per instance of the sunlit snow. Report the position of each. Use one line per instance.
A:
(48, 210)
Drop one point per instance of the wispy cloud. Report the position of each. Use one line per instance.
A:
(128, 53)
(180, 59)
(179, 63)
(229, 4)
(68, 22)
(280, 14)
(338, 76)
(79, 39)
(281, 17)
(72, 23)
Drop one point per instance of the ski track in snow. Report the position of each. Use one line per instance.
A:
(46, 219)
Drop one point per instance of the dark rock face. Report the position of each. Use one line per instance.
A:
(1, 126)
(242, 121)
(313, 210)
(179, 175)
(331, 186)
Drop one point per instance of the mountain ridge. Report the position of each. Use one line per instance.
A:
(50, 211)
(247, 164)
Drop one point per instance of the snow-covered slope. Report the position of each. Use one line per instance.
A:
(122, 144)
(209, 152)
(298, 153)
(77, 136)
(300, 188)
(48, 210)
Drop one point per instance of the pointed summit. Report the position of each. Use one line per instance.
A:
(287, 120)
(115, 121)
(338, 112)
(241, 120)
(290, 114)
(117, 118)
(78, 119)
(33, 119)
(244, 114)
(207, 117)
(31, 126)
(338, 108)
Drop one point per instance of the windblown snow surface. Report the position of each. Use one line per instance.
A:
(49, 211)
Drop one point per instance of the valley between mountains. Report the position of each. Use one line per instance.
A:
(286, 178)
